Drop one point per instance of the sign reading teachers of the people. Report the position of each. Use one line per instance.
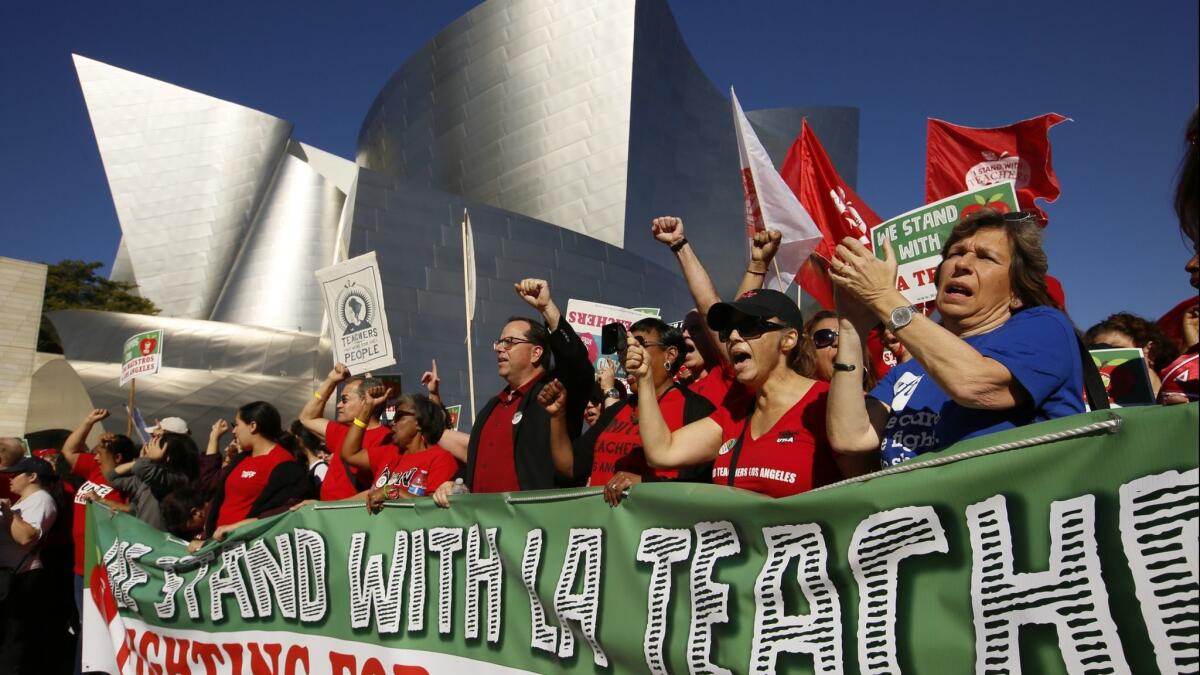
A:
(141, 355)
(1062, 547)
(353, 292)
(917, 236)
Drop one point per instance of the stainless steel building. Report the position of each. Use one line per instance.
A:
(564, 126)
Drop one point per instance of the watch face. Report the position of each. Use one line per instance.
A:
(901, 316)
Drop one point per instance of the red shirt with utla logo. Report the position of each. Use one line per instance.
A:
(87, 468)
(246, 482)
(390, 466)
(793, 456)
(338, 483)
(619, 446)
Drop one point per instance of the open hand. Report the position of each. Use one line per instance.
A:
(860, 274)
(553, 397)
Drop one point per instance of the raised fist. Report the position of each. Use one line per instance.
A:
(96, 415)
(764, 245)
(553, 397)
(667, 229)
(340, 373)
(219, 428)
(637, 365)
(535, 292)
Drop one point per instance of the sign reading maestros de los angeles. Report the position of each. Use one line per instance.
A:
(141, 355)
(353, 293)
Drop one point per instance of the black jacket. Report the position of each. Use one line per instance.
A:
(695, 407)
(531, 436)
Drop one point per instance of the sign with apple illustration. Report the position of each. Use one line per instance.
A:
(1125, 375)
(917, 236)
(141, 355)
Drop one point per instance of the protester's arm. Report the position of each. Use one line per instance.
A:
(312, 416)
(763, 247)
(553, 397)
(21, 531)
(606, 372)
(224, 531)
(76, 443)
(854, 423)
(968, 377)
(287, 485)
(536, 293)
(219, 429)
(669, 231)
(455, 443)
(694, 443)
(352, 449)
(114, 505)
(432, 383)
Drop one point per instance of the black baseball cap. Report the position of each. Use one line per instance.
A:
(36, 465)
(758, 303)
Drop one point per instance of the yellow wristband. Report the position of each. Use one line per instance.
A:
(317, 395)
(359, 423)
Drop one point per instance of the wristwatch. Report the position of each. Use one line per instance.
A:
(901, 317)
(613, 393)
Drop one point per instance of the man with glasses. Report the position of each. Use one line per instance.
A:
(1002, 356)
(509, 445)
(341, 480)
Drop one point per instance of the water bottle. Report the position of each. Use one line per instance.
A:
(417, 486)
(459, 488)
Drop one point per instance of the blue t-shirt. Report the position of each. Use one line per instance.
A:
(1039, 348)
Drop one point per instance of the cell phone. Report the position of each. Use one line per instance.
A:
(613, 338)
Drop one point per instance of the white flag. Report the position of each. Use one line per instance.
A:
(469, 265)
(771, 204)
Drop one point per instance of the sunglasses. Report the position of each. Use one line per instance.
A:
(824, 338)
(749, 329)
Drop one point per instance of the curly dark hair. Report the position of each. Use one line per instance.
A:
(1160, 349)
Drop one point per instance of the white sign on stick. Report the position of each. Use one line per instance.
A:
(353, 293)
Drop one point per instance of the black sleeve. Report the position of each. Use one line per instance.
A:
(218, 495)
(288, 485)
(585, 445)
(573, 368)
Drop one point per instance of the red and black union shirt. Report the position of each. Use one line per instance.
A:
(793, 456)
(618, 447)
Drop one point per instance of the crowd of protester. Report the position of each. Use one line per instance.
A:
(745, 393)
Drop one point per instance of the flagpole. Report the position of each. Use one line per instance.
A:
(467, 315)
(778, 275)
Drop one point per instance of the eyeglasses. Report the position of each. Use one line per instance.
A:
(824, 338)
(642, 341)
(403, 413)
(749, 329)
(505, 344)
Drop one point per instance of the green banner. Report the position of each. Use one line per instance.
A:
(917, 236)
(1067, 546)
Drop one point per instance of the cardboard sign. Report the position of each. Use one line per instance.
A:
(353, 293)
(1125, 375)
(141, 355)
(917, 236)
(453, 413)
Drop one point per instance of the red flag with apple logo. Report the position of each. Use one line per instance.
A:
(834, 206)
(964, 158)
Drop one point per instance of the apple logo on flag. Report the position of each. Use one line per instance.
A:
(997, 169)
(147, 346)
(995, 203)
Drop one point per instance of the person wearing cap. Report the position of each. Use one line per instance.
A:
(23, 525)
(1002, 356)
(168, 425)
(768, 436)
(610, 453)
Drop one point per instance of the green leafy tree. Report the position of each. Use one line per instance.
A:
(74, 284)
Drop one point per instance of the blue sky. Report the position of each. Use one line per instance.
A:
(1125, 72)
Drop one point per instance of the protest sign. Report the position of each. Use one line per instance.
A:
(917, 236)
(1125, 375)
(453, 414)
(353, 292)
(588, 318)
(141, 355)
(1062, 547)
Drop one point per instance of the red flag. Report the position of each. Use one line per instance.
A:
(833, 205)
(964, 158)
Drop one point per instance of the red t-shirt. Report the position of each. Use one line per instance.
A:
(338, 484)
(1182, 377)
(87, 468)
(792, 457)
(495, 456)
(246, 482)
(721, 389)
(390, 466)
(619, 446)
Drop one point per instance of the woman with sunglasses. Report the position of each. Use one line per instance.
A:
(768, 436)
(1001, 357)
(821, 329)
(418, 427)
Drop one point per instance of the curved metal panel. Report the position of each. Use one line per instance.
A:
(186, 172)
(521, 104)
(272, 283)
